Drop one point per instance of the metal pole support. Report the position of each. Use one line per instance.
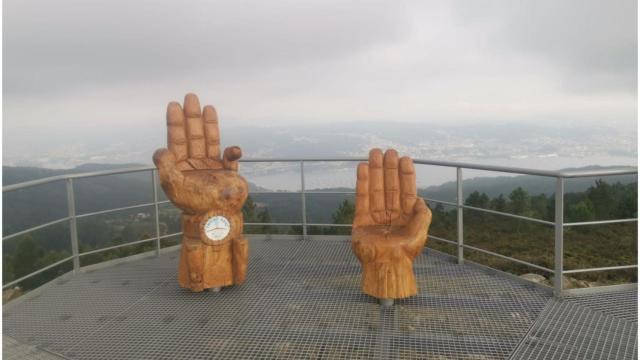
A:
(154, 181)
(386, 302)
(559, 239)
(460, 223)
(73, 225)
(303, 200)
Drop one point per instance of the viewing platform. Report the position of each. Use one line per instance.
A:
(302, 300)
(303, 297)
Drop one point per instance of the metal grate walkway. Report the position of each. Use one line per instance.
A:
(302, 300)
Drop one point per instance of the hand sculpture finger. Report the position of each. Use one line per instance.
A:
(195, 129)
(362, 216)
(211, 132)
(376, 186)
(177, 132)
(230, 158)
(391, 185)
(417, 228)
(408, 191)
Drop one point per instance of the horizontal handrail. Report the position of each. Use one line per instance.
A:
(34, 228)
(559, 175)
(442, 239)
(275, 192)
(101, 212)
(116, 246)
(506, 169)
(315, 192)
(509, 215)
(297, 160)
(273, 224)
(296, 224)
(440, 202)
(592, 173)
(170, 235)
(492, 253)
(508, 258)
(600, 222)
(49, 179)
(4, 286)
(606, 268)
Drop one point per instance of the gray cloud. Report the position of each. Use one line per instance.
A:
(84, 69)
(55, 47)
(593, 43)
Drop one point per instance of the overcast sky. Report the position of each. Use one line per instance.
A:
(72, 67)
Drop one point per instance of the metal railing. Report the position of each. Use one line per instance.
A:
(558, 224)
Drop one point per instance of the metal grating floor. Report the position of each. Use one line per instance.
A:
(302, 300)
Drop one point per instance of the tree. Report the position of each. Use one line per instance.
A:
(7, 269)
(345, 212)
(499, 203)
(249, 210)
(582, 211)
(476, 199)
(265, 217)
(540, 206)
(602, 197)
(628, 206)
(519, 201)
(344, 215)
(26, 255)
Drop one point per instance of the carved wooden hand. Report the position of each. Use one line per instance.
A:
(203, 185)
(390, 225)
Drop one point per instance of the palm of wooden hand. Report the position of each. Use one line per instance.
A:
(390, 225)
(192, 173)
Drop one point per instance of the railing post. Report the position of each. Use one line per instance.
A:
(303, 202)
(73, 225)
(154, 181)
(559, 238)
(459, 203)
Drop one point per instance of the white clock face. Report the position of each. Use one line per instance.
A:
(217, 228)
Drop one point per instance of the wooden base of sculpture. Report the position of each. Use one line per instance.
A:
(387, 253)
(207, 265)
(389, 280)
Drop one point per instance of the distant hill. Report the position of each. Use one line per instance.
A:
(494, 186)
(16, 174)
(36, 205)
(43, 203)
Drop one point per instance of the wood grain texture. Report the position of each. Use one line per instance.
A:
(390, 225)
(203, 185)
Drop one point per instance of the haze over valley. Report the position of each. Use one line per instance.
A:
(526, 146)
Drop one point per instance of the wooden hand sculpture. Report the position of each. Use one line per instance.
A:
(390, 225)
(210, 193)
